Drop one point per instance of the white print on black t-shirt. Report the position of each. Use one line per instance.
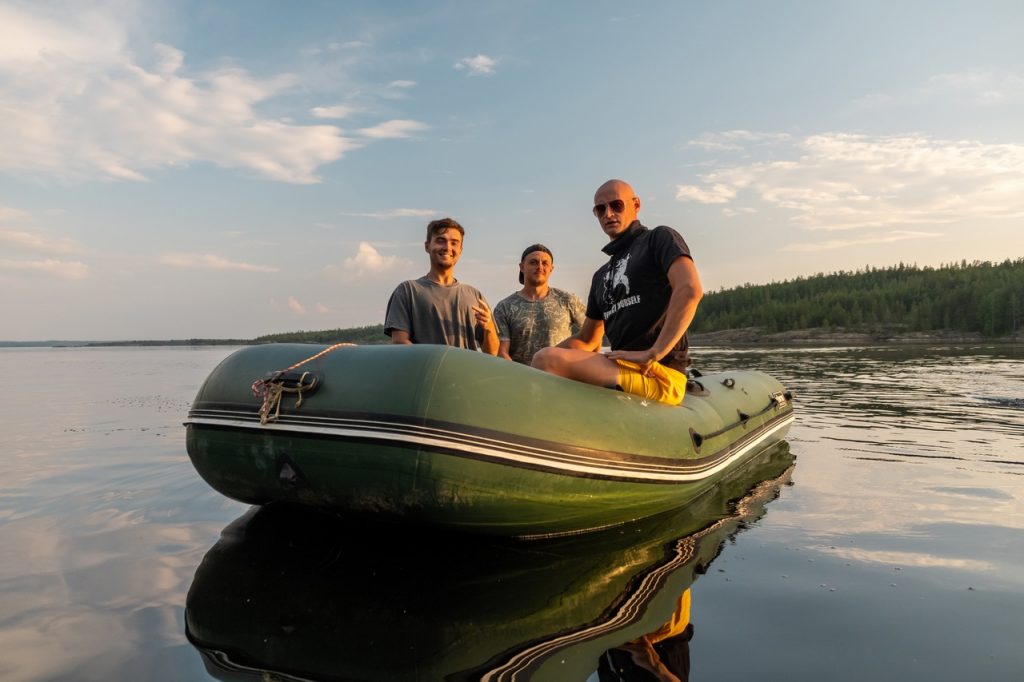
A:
(624, 303)
(616, 284)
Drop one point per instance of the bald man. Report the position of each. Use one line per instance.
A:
(643, 299)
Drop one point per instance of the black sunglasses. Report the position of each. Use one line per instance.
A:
(617, 206)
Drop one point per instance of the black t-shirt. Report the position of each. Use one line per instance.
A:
(631, 292)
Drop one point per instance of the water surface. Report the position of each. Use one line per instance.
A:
(890, 550)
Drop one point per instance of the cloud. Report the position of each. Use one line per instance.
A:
(337, 111)
(71, 270)
(843, 181)
(886, 238)
(367, 260)
(208, 261)
(395, 129)
(78, 33)
(917, 559)
(396, 90)
(734, 140)
(35, 242)
(13, 215)
(717, 194)
(295, 306)
(978, 88)
(397, 213)
(77, 105)
(480, 65)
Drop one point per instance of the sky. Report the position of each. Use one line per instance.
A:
(216, 169)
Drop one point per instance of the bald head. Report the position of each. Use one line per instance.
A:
(615, 206)
(620, 186)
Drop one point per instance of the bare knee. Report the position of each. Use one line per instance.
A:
(546, 359)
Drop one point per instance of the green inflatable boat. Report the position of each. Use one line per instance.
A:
(445, 437)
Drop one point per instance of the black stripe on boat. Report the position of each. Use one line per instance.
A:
(496, 447)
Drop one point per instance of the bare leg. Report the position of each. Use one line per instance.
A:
(580, 365)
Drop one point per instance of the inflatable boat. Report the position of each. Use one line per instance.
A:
(440, 436)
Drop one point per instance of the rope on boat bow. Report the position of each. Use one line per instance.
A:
(273, 387)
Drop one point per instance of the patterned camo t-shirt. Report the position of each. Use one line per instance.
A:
(529, 326)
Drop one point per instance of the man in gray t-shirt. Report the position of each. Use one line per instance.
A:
(536, 316)
(437, 308)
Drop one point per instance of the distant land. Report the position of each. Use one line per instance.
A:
(956, 303)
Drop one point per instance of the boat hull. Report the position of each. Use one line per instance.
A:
(445, 437)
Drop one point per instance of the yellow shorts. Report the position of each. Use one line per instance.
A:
(665, 385)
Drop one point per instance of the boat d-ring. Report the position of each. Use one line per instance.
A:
(729, 382)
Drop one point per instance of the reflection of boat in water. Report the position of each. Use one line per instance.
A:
(304, 595)
(440, 436)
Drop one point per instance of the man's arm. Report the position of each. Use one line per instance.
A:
(400, 336)
(682, 306)
(503, 347)
(489, 342)
(397, 317)
(588, 338)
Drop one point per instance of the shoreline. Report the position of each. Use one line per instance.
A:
(753, 336)
(731, 337)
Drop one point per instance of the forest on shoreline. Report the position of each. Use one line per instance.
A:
(961, 299)
(954, 303)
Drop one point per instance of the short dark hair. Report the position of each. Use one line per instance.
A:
(528, 251)
(442, 224)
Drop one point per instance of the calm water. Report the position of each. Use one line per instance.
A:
(892, 548)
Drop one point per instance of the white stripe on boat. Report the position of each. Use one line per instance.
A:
(513, 453)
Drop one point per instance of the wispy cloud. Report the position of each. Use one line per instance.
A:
(917, 559)
(981, 88)
(336, 111)
(479, 65)
(11, 215)
(397, 213)
(32, 241)
(366, 260)
(72, 270)
(736, 140)
(840, 181)
(716, 194)
(209, 261)
(78, 104)
(295, 306)
(390, 130)
(396, 90)
(885, 238)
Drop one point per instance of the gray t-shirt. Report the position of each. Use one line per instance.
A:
(529, 326)
(432, 313)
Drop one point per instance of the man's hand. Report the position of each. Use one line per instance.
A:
(644, 358)
(487, 333)
(482, 314)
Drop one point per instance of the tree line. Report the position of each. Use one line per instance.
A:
(980, 296)
(370, 334)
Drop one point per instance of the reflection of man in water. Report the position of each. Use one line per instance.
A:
(660, 656)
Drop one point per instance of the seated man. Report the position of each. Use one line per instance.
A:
(437, 308)
(644, 299)
(536, 316)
